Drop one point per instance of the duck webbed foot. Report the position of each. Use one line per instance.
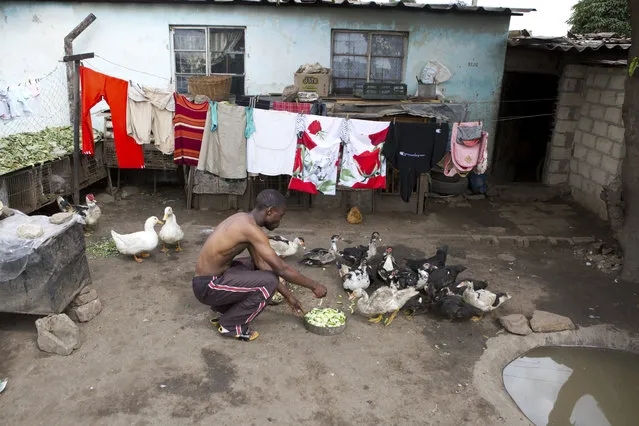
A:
(376, 319)
(390, 319)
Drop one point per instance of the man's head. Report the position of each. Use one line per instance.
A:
(271, 205)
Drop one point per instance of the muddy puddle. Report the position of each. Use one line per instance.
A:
(575, 386)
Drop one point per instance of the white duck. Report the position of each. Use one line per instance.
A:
(383, 301)
(284, 247)
(140, 242)
(353, 278)
(171, 233)
(483, 299)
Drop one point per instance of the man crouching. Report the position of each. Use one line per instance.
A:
(240, 288)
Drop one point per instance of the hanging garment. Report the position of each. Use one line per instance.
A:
(317, 154)
(468, 149)
(363, 165)
(414, 148)
(189, 122)
(223, 150)
(271, 148)
(207, 183)
(318, 108)
(253, 102)
(250, 124)
(294, 107)
(95, 87)
(149, 111)
(5, 114)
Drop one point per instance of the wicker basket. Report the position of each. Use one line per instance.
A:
(215, 87)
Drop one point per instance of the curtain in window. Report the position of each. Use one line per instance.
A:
(221, 43)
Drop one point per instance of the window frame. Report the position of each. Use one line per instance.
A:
(206, 29)
(369, 53)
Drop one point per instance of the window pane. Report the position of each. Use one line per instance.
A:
(350, 43)
(181, 83)
(388, 45)
(386, 69)
(193, 39)
(226, 40)
(233, 63)
(190, 62)
(349, 67)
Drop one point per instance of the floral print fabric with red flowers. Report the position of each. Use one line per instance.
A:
(317, 155)
(363, 166)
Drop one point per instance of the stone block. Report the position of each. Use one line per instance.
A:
(600, 128)
(556, 178)
(85, 297)
(599, 176)
(546, 322)
(578, 135)
(571, 99)
(601, 81)
(608, 97)
(580, 152)
(597, 112)
(574, 165)
(85, 312)
(590, 79)
(604, 145)
(564, 167)
(620, 98)
(617, 82)
(616, 133)
(569, 85)
(613, 115)
(575, 180)
(585, 124)
(584, 170)
(570, 137)
(589, 140)
(559, 139)
(563, 126)
(593, 96)
(563, 113)
(610, 165)
(593, 158)
(559, 153)
(58, 334)
(60, 218)
(618, 150)
(516, 324)
(575, 71)
(584, 110)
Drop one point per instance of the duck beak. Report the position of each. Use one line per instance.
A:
(160, 222)
(166, 216)
(351, 296)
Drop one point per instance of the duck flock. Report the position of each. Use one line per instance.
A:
(415, 286)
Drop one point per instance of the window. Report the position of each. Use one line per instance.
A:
(367, 56)
(208, 51)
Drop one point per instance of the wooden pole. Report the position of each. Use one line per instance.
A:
(76, 119)
(68, 51)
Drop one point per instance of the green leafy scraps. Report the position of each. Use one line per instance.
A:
(102, 248)
(28, 149)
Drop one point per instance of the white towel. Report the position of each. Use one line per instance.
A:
(271, 148)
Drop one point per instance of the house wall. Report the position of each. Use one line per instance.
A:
(278, 41)
(589, 133)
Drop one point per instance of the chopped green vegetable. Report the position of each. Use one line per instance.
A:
(28, 149)
(326, 317)
(102, 248)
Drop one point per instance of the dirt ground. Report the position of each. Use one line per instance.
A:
(151, 357)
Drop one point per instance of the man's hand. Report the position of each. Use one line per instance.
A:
(319, 291)
(296, 306)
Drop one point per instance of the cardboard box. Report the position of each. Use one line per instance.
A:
(319, 83)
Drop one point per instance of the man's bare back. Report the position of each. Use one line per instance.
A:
(227, 241)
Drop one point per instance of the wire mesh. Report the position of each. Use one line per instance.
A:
(294, 199)
(50, 107)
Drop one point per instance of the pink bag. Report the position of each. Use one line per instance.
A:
(466, 154)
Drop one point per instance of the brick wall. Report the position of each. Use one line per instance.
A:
(587, 145)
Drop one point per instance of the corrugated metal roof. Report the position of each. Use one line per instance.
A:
(577, 43)
(400, 4)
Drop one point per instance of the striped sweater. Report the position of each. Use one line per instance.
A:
(188, 124)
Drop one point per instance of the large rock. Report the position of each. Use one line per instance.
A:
(546, 322)
(86, 312)
(87, 295)
(516, 324)
(60, 218)
(128, 191)
(58, 334)
(104, 198)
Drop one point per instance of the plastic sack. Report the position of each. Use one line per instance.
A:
(434, 72)
(15, 251)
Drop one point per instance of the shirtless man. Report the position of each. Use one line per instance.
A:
(240, 288)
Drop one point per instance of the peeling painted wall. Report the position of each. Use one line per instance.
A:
(278, 40)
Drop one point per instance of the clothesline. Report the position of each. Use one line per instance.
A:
(133, 69)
